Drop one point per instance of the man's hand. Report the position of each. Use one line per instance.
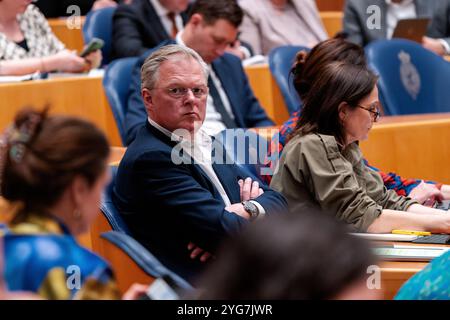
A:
(198, 252)
(249, 189)
(433, 45)
(426, 194)
(238, 208)
(235, 48)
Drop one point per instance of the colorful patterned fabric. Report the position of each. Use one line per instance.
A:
(432, 283)
(42, 257)
(41, 41)
(391, 180)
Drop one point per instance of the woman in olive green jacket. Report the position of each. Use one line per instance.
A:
(322, 165)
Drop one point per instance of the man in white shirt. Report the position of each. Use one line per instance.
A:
(211, 28)
(144, 24)
(369, 20)
(175, 197)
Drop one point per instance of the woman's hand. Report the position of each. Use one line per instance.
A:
(65, 61)
(94, 59)
(426, 194)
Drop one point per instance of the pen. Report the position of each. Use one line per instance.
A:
(412, 232)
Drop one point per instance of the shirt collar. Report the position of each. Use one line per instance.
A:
(161, 11)
(200, 136)
(404, 3)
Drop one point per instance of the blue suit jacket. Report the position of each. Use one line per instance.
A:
(166, 206)
(247, 111)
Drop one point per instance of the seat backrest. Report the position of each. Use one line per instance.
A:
(413, 80)
(281, 60)
(245, 148)
(99, 24)
(116, 83)
(108, 208)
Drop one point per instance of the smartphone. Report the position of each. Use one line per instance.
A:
(94, 44)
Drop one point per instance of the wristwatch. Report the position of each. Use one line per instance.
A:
(251, 208)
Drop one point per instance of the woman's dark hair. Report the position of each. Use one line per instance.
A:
(212, 11)
(336, 49)
(41, 155)
(290, 256)
(334, 83)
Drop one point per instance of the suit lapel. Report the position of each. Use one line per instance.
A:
(153, 23)
(423, 8)
(227, 178)
(223, 73)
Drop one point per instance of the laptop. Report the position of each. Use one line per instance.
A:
(442, 205)
(411, 29)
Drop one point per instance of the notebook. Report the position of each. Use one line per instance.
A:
(412, 29)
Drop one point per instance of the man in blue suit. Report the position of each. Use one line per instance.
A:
(211, 28)
(174, 187)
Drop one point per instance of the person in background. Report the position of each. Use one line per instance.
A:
(337, 49)
(269, 24)
(322, 165)
(357, 18)
(144, 24)
(60, 8)
(304, 256)
(58, 186)
(431, 283)
(177, 193)
(231, 103)
(27, 44)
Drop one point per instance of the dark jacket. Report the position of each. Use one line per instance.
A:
(137, 28)
(166, 205)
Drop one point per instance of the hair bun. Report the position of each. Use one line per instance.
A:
(299, 63)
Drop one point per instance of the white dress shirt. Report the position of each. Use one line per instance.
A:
(201, 152)
(213, 123)
(162, 14)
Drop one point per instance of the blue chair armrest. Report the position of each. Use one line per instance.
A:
(143, 258)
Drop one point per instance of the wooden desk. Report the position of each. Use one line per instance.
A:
(78, 96)
(72, 38)
(267, 92)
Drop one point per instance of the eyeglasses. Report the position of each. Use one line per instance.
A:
(375, 113)
(180, 92)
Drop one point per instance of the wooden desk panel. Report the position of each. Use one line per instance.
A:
(412, 149)
(72, 38)
(267, 92)
(78, 96)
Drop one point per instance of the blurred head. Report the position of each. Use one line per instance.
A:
(291, 256)
(14, 7)
(174, 88)
(342, 102)
(336, 49)
(212, 26)
(54, 165)
(175, 6)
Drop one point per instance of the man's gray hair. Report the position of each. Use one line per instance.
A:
(150, 68)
